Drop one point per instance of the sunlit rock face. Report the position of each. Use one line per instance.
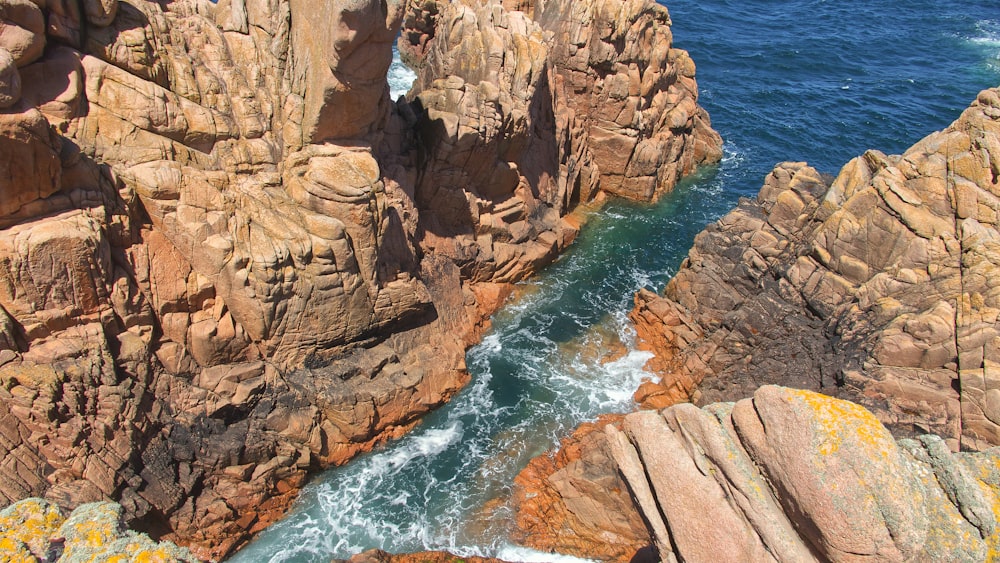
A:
(785, 475)
(227, 259)
(794, 475)
(875, 286)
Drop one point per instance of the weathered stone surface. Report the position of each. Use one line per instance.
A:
(34, 530)
(793, 475)
(10, 80)
(575, 502)
(30, 168)
(227, 259)
(506, 159)
(22, 30)
(875, 287)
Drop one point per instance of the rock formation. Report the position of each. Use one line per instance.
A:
(35, 531)
(873, 286)
(575, 502)
(879, 287)
(794, 475)
(228, 259)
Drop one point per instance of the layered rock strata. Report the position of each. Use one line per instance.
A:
(228, 259)
(575, 501)
(794, 475)
(879, 287)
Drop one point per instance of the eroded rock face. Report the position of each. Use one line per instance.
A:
(227, 259)
(793, 475)
(528, 112)
(875, 287)
(575, 501)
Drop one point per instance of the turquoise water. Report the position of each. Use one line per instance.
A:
(816, 81)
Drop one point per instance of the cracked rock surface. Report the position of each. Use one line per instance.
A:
(228, 259)
(878, 286)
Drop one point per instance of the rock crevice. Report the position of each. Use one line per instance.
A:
(228, 259)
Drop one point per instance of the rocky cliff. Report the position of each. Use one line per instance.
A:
(228, 259)
(875, 286)
(878, 287)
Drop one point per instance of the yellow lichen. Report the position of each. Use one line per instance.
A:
(14, 551)
(841, 419)
(31, 522)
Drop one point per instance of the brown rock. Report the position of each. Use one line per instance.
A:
(228, 260)
(22, 30)
(808, 476)
(29, 160)
(574, 501)
(100, 12)
(10, 80)
(872, 287)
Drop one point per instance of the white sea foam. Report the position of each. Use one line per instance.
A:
(987, 37)
(987, 33)
(509, 552)
(429, 443)
(400, 76)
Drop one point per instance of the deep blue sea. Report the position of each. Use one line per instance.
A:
(813, 80)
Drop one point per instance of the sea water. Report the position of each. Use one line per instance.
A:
(819, 81)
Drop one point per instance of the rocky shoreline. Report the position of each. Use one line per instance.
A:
(874, 287)
(228, 260)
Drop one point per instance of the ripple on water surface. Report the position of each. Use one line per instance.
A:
(819, 81)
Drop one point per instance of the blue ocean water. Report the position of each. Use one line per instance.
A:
(814, 80)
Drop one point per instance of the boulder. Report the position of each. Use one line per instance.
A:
(30, 167)
(35, 530)
(22, 30)
(793, 475)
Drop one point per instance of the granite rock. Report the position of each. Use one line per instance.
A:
(794, 475)
(873, 286)
(229, 260)
(35, 531)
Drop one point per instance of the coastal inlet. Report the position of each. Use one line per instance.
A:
(816, 82)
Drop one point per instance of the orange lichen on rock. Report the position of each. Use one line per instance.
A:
(839, 420)
(33, 530)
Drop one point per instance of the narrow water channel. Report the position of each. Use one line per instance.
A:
(803, 80)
